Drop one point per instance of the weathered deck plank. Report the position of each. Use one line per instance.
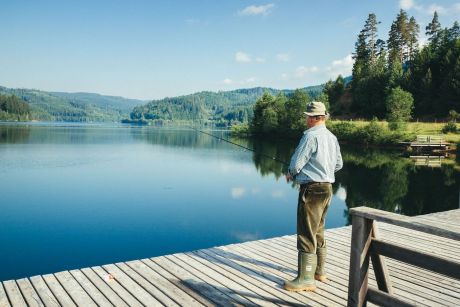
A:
(163, 284)
(91, 289)
(44, 292)
(116, 287)
(246, 280)
(14, 293)
(218, 284)
(28, 292)
(195, 284)
(149, 287)
(59, 292)
(245, 274)
(103, 288)
(137, 291)
(73, 288)
(3, 298)
(403, 285)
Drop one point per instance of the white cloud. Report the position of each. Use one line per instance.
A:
(260, 60)
(227, 81)
(341, 193)
(341, 67)
(237, 192)
(249, 80)
(434, 7)
(232, 168)
(245, 236)
(277, 193)
(283, 57)
(406, 4)
(422, 41)
(257, 10)
(456, 7)
(430, 9)
(301, 71)
(242, 57)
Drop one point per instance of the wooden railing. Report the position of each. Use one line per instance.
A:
(366, 245)
(429, 139)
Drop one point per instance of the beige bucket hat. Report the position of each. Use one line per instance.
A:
(316, 108)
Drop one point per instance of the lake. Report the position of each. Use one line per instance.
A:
(77, 195)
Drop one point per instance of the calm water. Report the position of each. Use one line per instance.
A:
(81, 195)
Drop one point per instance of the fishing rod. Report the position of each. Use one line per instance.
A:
(244, 147)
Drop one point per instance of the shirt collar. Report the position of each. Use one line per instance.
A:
(317, 127)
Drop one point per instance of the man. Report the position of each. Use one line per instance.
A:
(315, 160)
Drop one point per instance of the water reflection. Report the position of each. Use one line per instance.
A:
(370, 177)
(380, 179)
(81, 195)
(12, 134)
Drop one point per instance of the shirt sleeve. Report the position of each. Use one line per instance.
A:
(339, 163)
(302, 154)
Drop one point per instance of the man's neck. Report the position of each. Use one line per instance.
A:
(322, 122)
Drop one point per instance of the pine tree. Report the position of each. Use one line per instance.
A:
(413, 31)
(401, 33)
(367, 75)
(433, 30)
(370, 33)
(454, 32)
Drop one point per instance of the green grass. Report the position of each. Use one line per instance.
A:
(414, 129)
(373, 132)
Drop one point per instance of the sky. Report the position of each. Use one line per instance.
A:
(147, 49)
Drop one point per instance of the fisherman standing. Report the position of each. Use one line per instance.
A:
(315, 160)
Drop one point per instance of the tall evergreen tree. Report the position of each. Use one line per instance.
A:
(413, 31)
(368, 82)
(402, 38)
(433, 31)
(454, 32)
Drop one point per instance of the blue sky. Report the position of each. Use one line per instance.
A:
(152, 49)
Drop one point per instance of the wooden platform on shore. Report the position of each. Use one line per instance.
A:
(245, 274)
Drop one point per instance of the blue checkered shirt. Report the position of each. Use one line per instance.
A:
(317, 157)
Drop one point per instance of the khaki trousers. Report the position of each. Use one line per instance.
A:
(314, 200)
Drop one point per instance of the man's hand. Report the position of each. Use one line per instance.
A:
(289, 177)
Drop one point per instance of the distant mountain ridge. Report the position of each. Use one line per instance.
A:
(78, 107)
(220, 108)
(207, 106)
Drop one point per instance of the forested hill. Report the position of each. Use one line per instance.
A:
(77, 107)
(219, 108)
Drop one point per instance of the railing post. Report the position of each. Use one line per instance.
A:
(378, 263)
(361, 236)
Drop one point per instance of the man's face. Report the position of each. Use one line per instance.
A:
(310, 121)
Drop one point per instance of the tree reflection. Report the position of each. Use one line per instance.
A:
(375, 178)
(12, 134)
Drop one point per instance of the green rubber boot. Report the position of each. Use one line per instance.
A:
(305, 280)
(320, 274)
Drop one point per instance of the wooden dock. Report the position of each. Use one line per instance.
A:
(428, 143)
(246, 274)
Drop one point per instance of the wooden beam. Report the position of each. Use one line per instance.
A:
(429, 262)
(378, 263)
(381, 298)
(359, 261)
(403, 221)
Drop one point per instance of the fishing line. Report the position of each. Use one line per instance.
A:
(244, 147)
